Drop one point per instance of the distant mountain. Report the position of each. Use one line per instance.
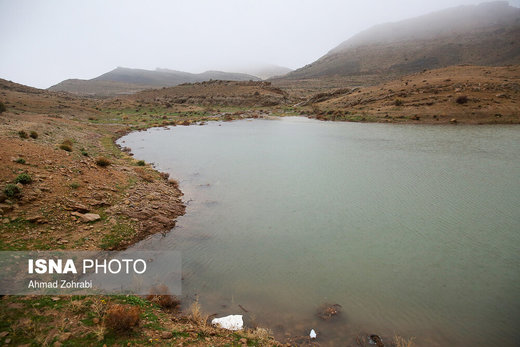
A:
(485, 34)
(266, 71)
(128, 81)
(168, 78)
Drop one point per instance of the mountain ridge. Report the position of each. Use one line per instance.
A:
(484, 34)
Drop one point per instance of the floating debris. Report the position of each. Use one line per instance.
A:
(232, 322)
(312, 334)
(329, 311)
(376, 340)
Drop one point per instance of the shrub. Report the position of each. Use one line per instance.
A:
(461, 99)
(2, 107)
(12, 190)
(102, 161)
(20, 161)
(68, 142)
(66, 147)
(84, 153)
(23, 134)
(122, 318)
(24, 178)
(141, 163)
(33, 134)
(398, 102)
(161, 295)
(74, 185)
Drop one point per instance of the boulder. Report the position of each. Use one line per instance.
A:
(87, 217)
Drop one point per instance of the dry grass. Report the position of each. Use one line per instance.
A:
(145, 175)
(122, 318)
(402, 342)
(66, 147)
(196, 316)
(162, 296)
(102, 161)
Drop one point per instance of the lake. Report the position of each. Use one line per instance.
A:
(414, 230)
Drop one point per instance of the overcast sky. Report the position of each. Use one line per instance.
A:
(45, 42)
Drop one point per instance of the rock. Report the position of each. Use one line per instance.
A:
(87, 217)
(453, 121)
(91, 217)
(4, 334)
(5, 208)
(376, 340)
(76, 206)
(36, 219)
(232, 322)
(312, 335)
(166, 335)
(7, 341)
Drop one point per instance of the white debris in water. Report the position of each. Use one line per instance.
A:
(312, 334)
(233, 322)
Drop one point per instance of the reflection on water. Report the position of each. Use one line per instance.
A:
(413, 230)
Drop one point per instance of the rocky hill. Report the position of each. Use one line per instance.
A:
(485, 34)
(457, 94)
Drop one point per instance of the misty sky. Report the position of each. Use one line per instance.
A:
(45, 42)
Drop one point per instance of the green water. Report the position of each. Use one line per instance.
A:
(413, 230)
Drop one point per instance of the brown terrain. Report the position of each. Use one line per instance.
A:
(458, 94)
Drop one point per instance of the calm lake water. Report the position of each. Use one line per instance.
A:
(413, 230)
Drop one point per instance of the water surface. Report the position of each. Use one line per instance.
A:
(413, 230)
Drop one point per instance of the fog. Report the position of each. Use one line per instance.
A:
(45, 42)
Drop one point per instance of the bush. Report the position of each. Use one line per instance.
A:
(398, 102)
(20, 161)
(2, 107)
(66, 147)
(461, 99)
(122, 318)
(68, 142)
(12, 190)
(74, 185)
(24, 178)
(23, 134)
(141, 163)
(102, 161)
(33, 134)
(161, 296)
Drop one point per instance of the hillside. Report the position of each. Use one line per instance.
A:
(128, 81)
(457, 94)
(224, 93)
(485, 34)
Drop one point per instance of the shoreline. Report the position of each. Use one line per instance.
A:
(127, 195)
